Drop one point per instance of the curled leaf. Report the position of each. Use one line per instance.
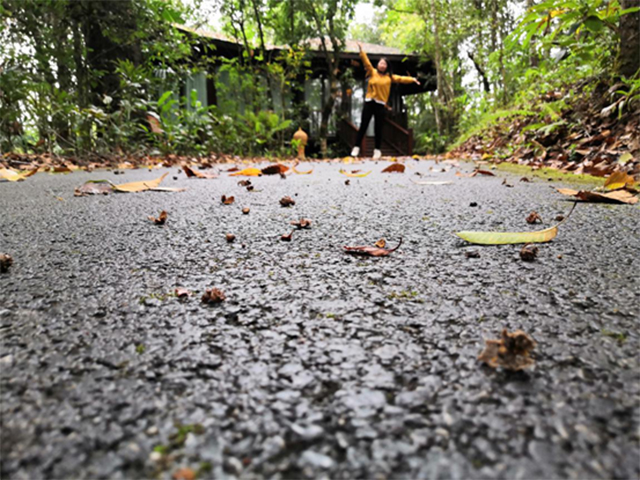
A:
(244, 183)
(354, 173)
(182, 293)
(381, 243)
(394, 167)
(371, 251)
(5, 262)
(302, 223)
(161, 219)
(230, 237)
(143, 186)
(245, 211)
(275, 169)
(287, 237)
(533, 217)
(619, 180)
(93, 188)
(247, 172)
(298, 172)
(287, 201)
(529, 252)
(194, 173)
(213, 296)
(511, 351)
(227, 200)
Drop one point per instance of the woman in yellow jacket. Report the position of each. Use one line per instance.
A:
(380, 80)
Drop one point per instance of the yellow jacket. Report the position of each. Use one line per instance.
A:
(380, 84)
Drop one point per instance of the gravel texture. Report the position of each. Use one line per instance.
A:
(318, 364)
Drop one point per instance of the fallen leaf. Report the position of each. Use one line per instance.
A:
(533, 217)
(296, 171)
(182, 292)
(347, 182)
(624, 158)
(194, 173)
(247, 172)
(510, 352)
(5, 262)
(472, 254)
(287, 201)
(504, 182)
(504, 238)
(161, 219)
(302, 223)
(355, 175)
(244, 183)
(167, 189)
(482, 172)
(287, 237)
(275, 169)
(213, 296)
(525, 179)
(227, 200)
(430, 182)
(371, 251)
(245, 211)
(619, 180)
(394, 167)
(184, 474)
(15, 176)
(529, 252)
(139, 186)
(101, 187)
(381, 243)
(617, 196)
(230, 237)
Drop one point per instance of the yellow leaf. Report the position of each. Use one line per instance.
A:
(618, 180)
(12, 175)
(139, 186)
(301, 173)
(247, 172)
(503, 238)
(355, 175)
(486, 156)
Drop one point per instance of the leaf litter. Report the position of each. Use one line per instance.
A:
(511, 352)
(372, 251)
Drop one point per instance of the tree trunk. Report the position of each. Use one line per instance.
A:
(533, 55)
(629, 49)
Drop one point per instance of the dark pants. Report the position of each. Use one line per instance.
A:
(371, 109)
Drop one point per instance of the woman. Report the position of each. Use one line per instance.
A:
(380, 80)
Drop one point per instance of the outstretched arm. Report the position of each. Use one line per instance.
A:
(365, 60)
(401, 79)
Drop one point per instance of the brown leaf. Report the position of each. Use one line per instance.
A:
(275, 169)
(533, 217)
(194, 173)
(381, 243)
(482, 172)
(184, 474)
(227, 200)
(371, 251)
(347, 182)
(529, 252)
(5, 262)
(244, 183)
(525, 179)
(287, 201)
(182, 292)
(246, 210)
(287, 237)
(511, 352)
(302, 223)
(618, 180)
(93, 188)
(617, 196)
(230, 237)
(213, 296)
(394, 167)
(161, 219)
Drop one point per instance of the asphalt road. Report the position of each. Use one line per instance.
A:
(318, 364)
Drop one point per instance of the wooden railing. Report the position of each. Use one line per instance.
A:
(401, 139)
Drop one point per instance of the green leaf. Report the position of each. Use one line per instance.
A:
(503, 238)
(164, 97)
(594, 24)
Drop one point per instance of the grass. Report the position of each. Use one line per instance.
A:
(620, 337)
(550, 173)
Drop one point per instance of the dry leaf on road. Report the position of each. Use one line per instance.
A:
(371, 251)
(510, 352)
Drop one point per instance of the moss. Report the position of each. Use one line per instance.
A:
(140, 349)
(620, 337)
